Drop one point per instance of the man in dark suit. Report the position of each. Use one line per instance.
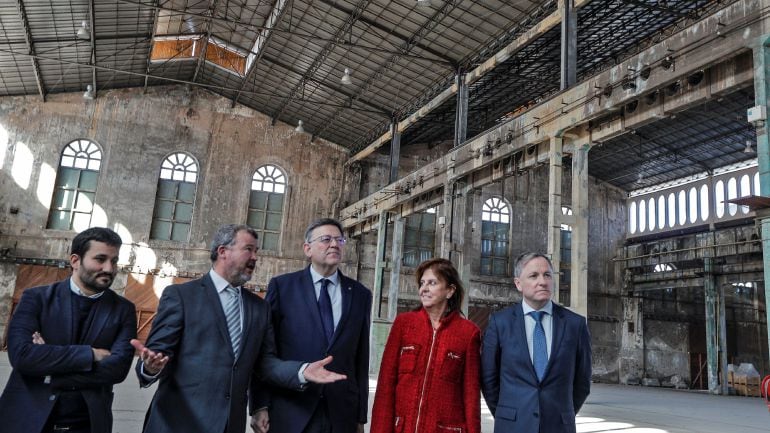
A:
(68, 344)
(535, 357)
(317, 312)
(209, 342)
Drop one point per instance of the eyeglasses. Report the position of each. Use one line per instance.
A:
(326, 240)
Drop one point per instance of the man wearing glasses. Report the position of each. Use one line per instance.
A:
(316, 312)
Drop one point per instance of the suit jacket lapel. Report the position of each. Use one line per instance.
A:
(61, 295)
(101, 313)
(307, 289)
(521, 335)
(346, 294)
(248, 318)
(557, 327)
(212, 298)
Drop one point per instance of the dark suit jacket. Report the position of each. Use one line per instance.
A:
(203, 388)
(28, 398)
(299, 335)
(509, 383)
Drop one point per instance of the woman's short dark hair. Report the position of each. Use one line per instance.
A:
(445, 270)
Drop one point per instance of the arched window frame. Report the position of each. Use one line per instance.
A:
(495, 237)
(266, 201)
(175, 198)
(74, 194)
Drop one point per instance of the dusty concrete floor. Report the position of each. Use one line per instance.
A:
(609, 409)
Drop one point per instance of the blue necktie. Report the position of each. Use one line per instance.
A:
(325, 308)
(539, 348)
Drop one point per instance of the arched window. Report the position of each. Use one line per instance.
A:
(732, 192)
(268, 188)
(651, 212)
(75, 189)
(661, 211)
(495, 225)
(756, 184)
(175, 198)
(642, 215)
(663, 267)
(719, 198)
(682, 208)
(419, 237)
(704, 202)
(632, 217)
(745, 191)
(671, 210)
(693, 201)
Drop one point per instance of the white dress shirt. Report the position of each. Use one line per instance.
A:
(529, 325)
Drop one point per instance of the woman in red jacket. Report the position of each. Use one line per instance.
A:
(429, 375)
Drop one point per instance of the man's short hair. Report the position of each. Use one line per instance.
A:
(321, 222)
(81, 243)
(525, 258)
(225, 236)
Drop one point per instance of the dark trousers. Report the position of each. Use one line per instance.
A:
(319, 422)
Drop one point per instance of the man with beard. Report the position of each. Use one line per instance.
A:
(68, 343)
(318, 311)
(210, 341)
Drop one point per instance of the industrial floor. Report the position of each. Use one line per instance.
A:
(609, 409)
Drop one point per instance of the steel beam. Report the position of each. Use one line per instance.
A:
(578, 301)
(500, 57)
(31, 48)
(568, 43)
(206, 38)
(395, 154)
(152, 41)
(714, 39)
(461, 115)
(92, 29)
(404, 48)
(379, 266)
(712, 343)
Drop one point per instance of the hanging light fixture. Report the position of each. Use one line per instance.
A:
(346, 78)
(83, 32)
(748, 148)
(89, 93)
(299, 127)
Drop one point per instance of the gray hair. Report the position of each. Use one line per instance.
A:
(225, 236)
(525, 258)
(321, 222)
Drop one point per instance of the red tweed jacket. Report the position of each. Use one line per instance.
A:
(429, 380)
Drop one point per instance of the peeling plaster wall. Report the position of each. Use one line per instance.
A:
(666, 349)
(136, 130)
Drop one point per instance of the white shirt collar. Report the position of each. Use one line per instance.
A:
(548, 308)
(334, 278)
(219, 283)
(76, 290)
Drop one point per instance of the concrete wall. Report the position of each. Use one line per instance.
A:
(136, 130)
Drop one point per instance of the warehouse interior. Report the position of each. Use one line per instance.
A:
(626, 139)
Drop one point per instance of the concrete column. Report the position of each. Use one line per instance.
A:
(395, 151)
(461, 115)
(712, 343)
(762, 92)
(579, 274)
(631, 357)
(722, 322)
(379, 265)
(568, 43)
(445, 246)
(395, 269)
(554, 211)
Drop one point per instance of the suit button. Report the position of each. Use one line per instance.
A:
(227, 396)
(52, 397)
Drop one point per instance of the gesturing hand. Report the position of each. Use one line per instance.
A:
(153, 361)
(37, 338)
(315, 372)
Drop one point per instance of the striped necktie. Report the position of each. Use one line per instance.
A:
(233, 315)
